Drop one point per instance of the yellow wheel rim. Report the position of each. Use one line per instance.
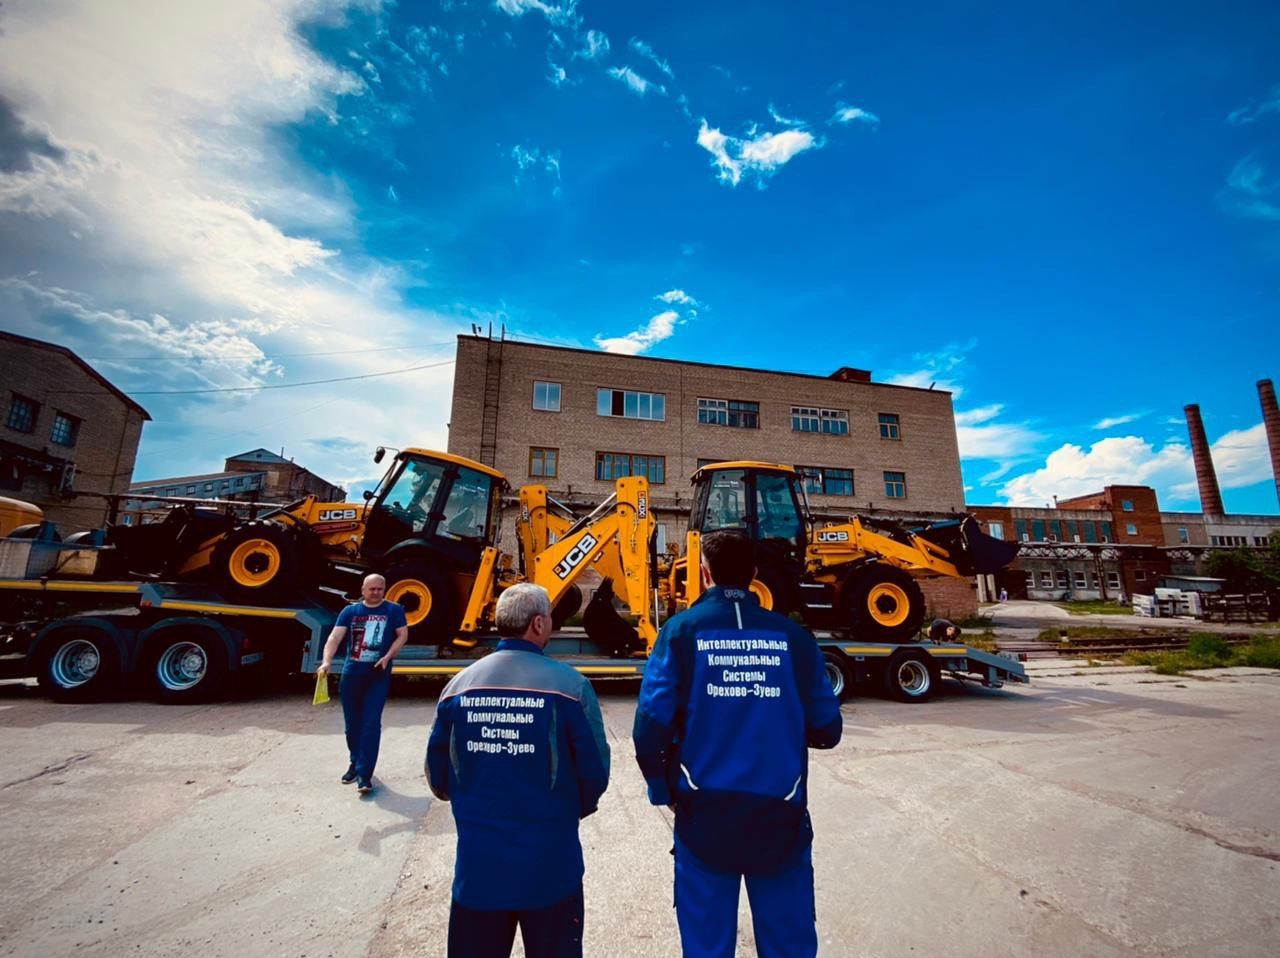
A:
(415, 596)
(888, 604)
(761, 592)
(254, 563)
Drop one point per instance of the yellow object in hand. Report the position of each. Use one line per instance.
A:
(322, 690)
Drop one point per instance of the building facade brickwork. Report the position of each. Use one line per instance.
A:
(67, 434)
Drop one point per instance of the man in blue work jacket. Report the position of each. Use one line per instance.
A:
(518, 748)
(733, 696)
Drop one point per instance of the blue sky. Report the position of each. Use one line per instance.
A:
(1067, 214)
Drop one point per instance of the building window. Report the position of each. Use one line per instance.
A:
(208, 487)
(240, 482)
(995, 530)
(65, 429)
(1073, 530)
(1079, 580)
(895, 485)
(1062, 578)
(1130, 529)
(709, 462)
(544, 463)
(1139, 575)
(191, 490)
(546, 396)
(1260, 541)
(22, 413)
(729, 412)
(1020, 530)
(890, 427)
(1113, 580)
(834, 422)
(1182, 534)
(1031, 580)
(171, 491)
(1046, 579)
(827, 480)
(631, 405)
(1126, 505)
(615, 465)
(1037, 530)
(1106, 532)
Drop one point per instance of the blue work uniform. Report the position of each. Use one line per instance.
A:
(371, 630)
(518, 748)
(733, 697)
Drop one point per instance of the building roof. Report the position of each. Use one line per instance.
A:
(55, 348)
(259, 455)
(179, 480)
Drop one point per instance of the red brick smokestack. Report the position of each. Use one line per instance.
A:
(1271, 419)
(1210, 497)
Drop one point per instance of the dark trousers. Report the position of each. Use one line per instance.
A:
(551, 932)
(364, 693)
(782, 909)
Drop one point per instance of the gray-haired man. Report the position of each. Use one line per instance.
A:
(518, 748)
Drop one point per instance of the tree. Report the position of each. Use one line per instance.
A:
(1248, 570)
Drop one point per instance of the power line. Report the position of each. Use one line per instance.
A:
(260, 356)
(242, 389)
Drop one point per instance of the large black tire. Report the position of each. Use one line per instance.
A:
(430, 603)
(257, 563)
(883, 604)
(183, 665)
(911, 677)
(78, 664)
(838, 673)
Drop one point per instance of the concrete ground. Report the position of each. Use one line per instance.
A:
(1099, 812)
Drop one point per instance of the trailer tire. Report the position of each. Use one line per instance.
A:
(257, 563)
(79, 663)
(911, 677)
(430, 605)
(839, 675)
(185, 664)
(883, 604)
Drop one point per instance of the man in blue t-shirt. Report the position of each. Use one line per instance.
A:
(519, 750)
(732, 699)
(378, 630)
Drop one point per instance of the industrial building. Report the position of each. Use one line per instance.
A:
(69, 435)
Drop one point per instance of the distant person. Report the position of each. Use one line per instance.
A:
(732, 698)
(1004, 595)
(366, 677)
(943, 630)
(518, 749)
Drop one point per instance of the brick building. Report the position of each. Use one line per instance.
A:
(68, 432)
(286, 481)
(576, 419)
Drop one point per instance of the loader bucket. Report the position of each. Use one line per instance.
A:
(972, 551)
(606, 627)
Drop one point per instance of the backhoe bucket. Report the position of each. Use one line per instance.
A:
(972, 551)
(606, 627)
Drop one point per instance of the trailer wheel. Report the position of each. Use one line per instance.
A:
(78, 664)
(911, 677)
(256, 562)
(430, 605)
(883, 604)
(185, 665)
(838, 674)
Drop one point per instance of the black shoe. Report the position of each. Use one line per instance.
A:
(365, 786)
(349, 775)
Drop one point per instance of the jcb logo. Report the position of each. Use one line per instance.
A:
(575, 557)
(328, 515)
(833, 537)
(642, 509)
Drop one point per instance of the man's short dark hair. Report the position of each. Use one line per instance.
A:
(731, 557)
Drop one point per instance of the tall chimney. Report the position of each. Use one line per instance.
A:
(1271, 419)
(1210, 497)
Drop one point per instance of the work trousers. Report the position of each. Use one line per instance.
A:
(364, 692)
(551, 932)
(782, 909)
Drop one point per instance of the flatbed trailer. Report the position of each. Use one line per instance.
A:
(185, 643)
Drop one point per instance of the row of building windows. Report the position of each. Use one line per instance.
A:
(734, 413)
(1237, 540)
(240, 483)
(24, 412)
(1058, 530)
(544, 463)
(1079, 579)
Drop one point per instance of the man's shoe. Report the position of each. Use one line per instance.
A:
(349, 775)
(365, 786)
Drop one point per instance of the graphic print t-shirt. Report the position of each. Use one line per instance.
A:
(370, 630)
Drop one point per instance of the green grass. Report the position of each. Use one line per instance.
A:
(1205, 651)
(982, 622)
(1095, 607)
(1083, 631)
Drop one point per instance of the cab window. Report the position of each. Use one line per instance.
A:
(466, 514)
(414, 490)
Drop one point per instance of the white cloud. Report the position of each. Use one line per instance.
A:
(659, 327)
(852, 114)
(1240, 457)
(595, 45)
(646, 51)
(936, 370)
(532, 158)
(678, 296)
(518, 8)
(556, 74)
(1110, 422)
(981, 438)
(1248, 193)
(635, 82)
(1257, 109)
(760, 156)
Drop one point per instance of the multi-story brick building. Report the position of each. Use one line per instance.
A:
(68, 432)
(576, 419)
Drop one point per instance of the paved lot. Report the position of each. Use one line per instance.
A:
(1100, 812)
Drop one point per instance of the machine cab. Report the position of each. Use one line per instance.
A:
(446, 501)
(760, 499)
